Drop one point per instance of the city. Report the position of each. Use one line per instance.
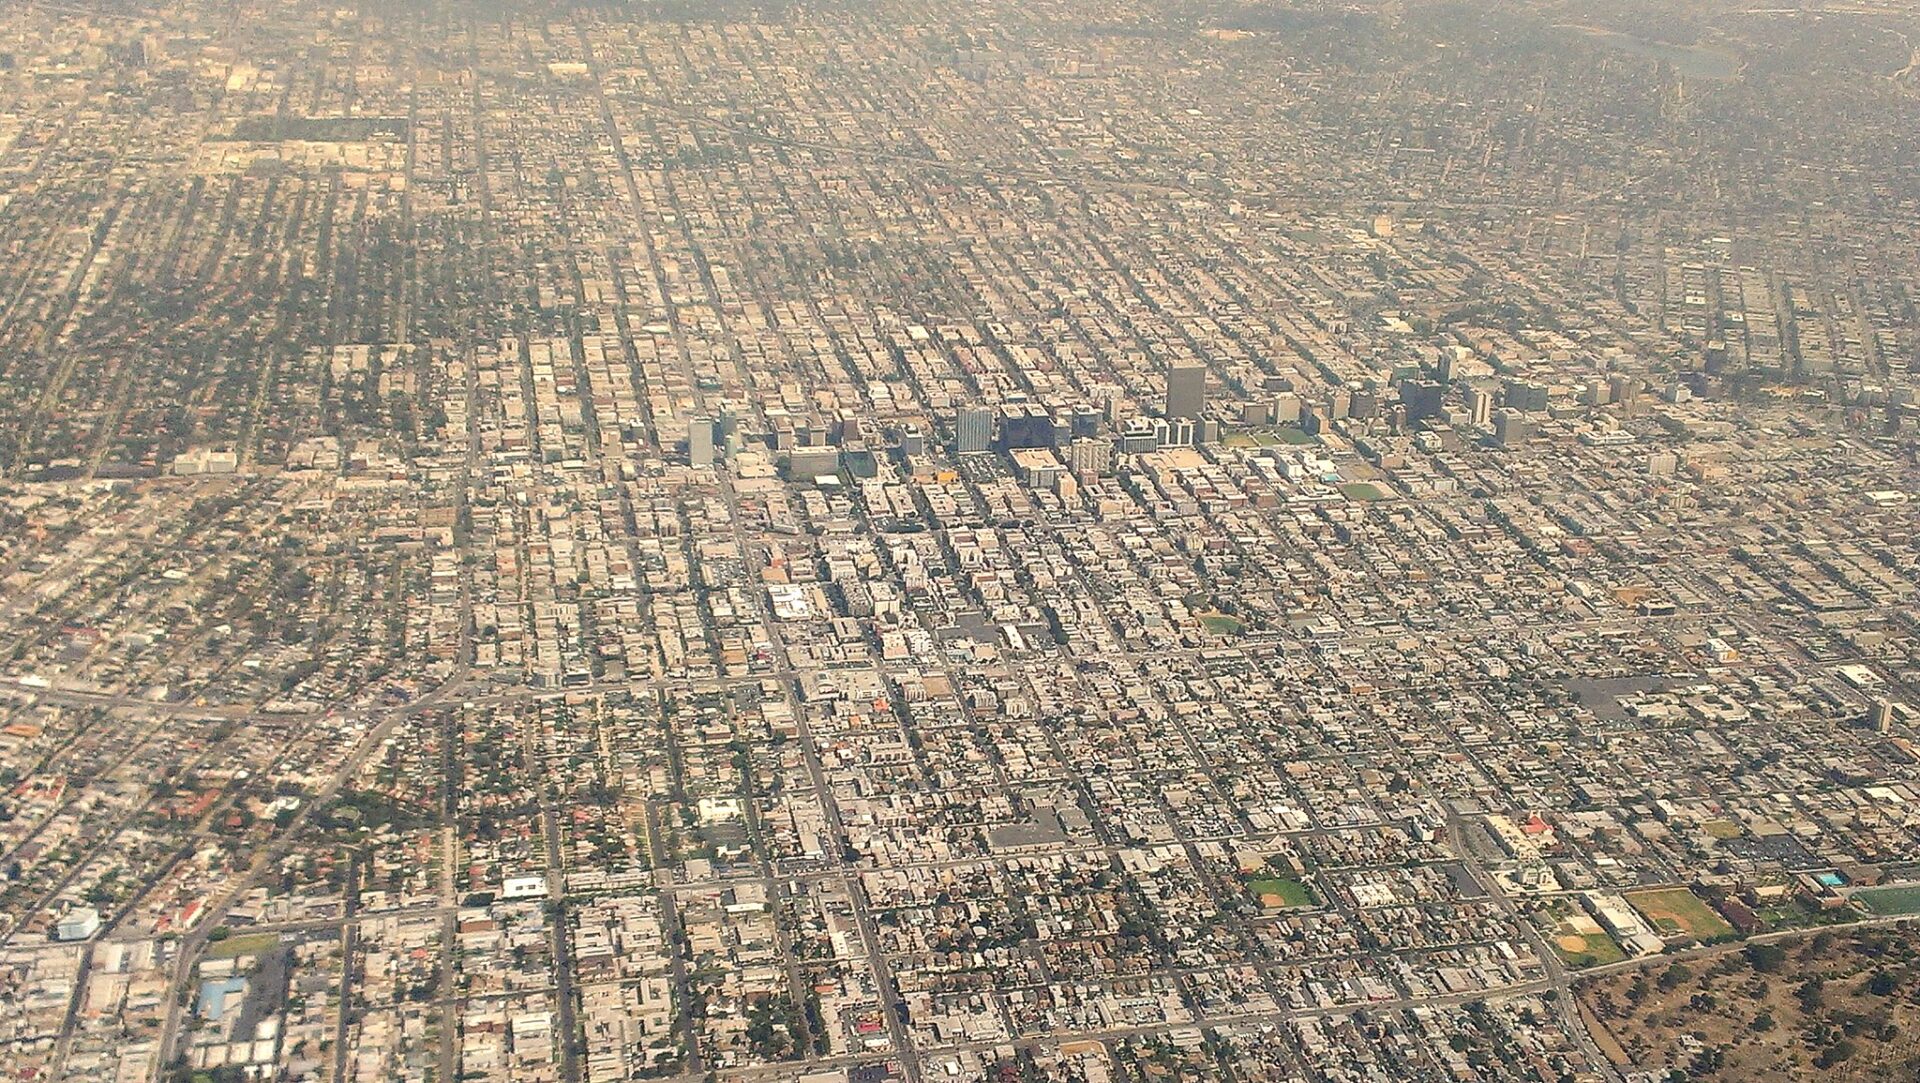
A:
(915, 540)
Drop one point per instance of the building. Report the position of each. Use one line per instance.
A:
(1138, 437)
(1186, 391)
(700, 442)
(523, 887)
(1086, 421)
(1421, 398)
(1524, 395)
(913, 442)
(1511, 427)
(1090, 458)
(1038, 467)
(973, 430)
(1882, 716)
(78, 923)
(813, 462)
(1480, 406)
(1027, 425)
(1176, 432)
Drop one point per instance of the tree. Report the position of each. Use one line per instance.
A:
(1766, 958)
(1835, 1053)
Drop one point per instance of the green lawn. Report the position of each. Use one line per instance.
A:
(1362, 490)
(1597, 949)
(1222, 624)
(1291, 892)
(235, 946)
(1904, 899)
(1798, 915)
(1295, 438)
(1675, 911)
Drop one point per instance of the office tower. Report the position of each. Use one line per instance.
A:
(1511, 427)
(1186, 391)
(1621, 387)
(1480, 406)
(1026, 425)
(1882, 716)
(700, 442)
(813, 462)
(1525, 395)
(973, 430)
(912, 440)
(1173, 432)
(1422, 398)
(1139, 436)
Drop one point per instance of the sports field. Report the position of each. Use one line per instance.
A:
(1675, 911)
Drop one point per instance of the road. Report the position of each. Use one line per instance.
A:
(1557, 977)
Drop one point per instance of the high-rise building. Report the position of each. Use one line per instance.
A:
(1090, 457)
(1525, 395)
(1480, 406)
(1621, 387)
(973, 430)
(700, 442)
(1511, 427)
(1882, 716)
(1174, 432)
(1140, 436)
(1186, 391)
(1027, 425)
(1086, 421)
(1421, 398)
(912, 440)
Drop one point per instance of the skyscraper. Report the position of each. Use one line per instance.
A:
(700, 442)
(1186, 391)
(973, 430)
(1510, 427)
